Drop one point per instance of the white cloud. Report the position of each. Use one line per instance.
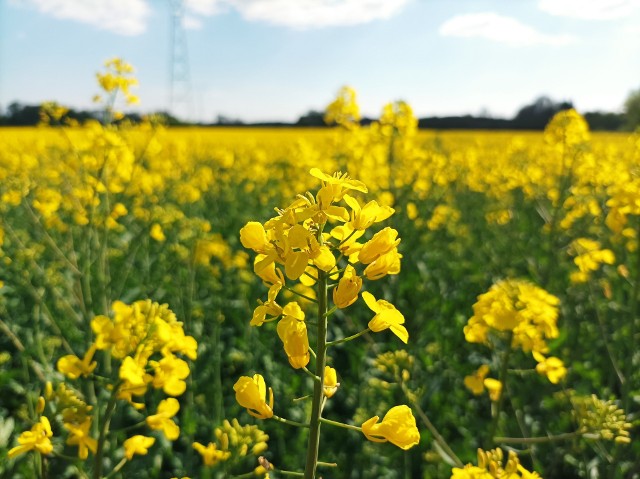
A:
(498, 28)
(191, 22)
(125, 17)
(589, 9)
(302, 14)
(203, 7)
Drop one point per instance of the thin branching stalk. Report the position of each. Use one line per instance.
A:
(318, 389)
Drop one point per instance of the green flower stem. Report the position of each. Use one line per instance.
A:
(327, 464)
(308, 275)
(308, 298)
(313, 376)
(432, 429)
(288, 473)
(504, 371)
(303, 398)
(348, 338)
(536, 440)
(318, 389)
(633, 321)
(133, 426)
(104, 428)
(340, 424)
(347, 238)
(116, 469)
(289, 422)
(331, 311)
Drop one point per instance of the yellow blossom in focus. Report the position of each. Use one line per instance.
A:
(346, 292)
(330, 382)
(387, 317)
(251, 393)
(398, 427)
(382, 242)
(292, 330)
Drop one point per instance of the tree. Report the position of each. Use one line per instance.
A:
(632, 109)
(538, 114)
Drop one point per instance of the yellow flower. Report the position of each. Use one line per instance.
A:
(551, 367)
(162, 420)
(518, 306)
(73, 367)
(363, 217)
(269, 274)
(494, 387)
(36, 439)
(339, 179)
(156, 233)
(330, 383)
(211, 455)
(79, 436)
(388, 263)
(382, 242)
(292, 330)
(253, 236)
(470, 472)
(398, 427)
(169, 374)
(251, 393)
(132, 372)
(387, 317)
(270, 308)
(137, 445)
(475, 381)
(344, 110)
(346, 293)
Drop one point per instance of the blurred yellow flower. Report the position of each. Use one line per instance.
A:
(36, 439)
(162, 420)
(210, 453)
(137, 444)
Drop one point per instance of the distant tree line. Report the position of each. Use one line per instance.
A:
(530, 117)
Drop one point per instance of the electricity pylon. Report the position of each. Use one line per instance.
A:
(180, 98)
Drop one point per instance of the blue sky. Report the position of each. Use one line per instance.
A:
(277, 59)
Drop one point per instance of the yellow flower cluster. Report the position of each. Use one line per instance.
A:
(601, 420)
(232, 440)
(134, 335)
(118, 78)
(589, 256)
(146, 337)
(344, 110)
(491, 465)
(517, 307)
(294, 241)
(297, 245)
